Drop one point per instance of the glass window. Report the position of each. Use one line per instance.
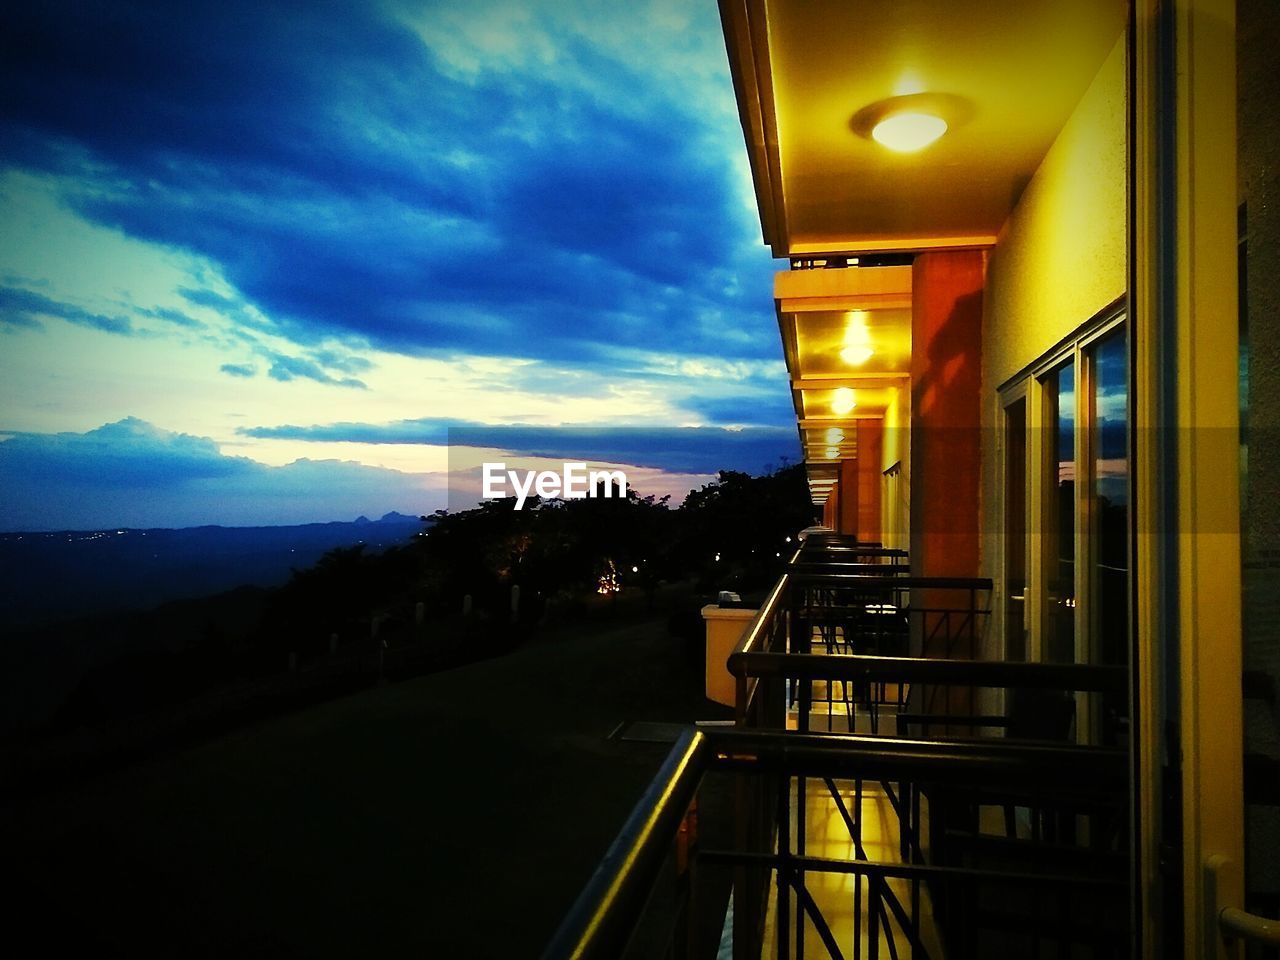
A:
(1258, 245)
(1059, 529)
(1015, 527)
(1109, 558)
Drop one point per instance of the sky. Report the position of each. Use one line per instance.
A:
(262, 262)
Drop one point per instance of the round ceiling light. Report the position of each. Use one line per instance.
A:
(909, 123)
(856, 354)
(835, 435)
(844, 400)
(908, 131)
(857, 348)
(833, 453)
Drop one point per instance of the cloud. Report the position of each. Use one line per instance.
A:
(418, 180)
(129, 453)
(173, 316)
(239, 369)
(677, 449)
(23, 308)
(285, 368)
(770, 405)
(132, 473)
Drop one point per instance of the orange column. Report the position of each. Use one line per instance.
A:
(946, 380)
(829, 507)
(848, 487)
(870, 438)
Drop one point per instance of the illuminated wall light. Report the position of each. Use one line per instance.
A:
(844, 400)
(833, 453)
(835, 435)
(908, 131)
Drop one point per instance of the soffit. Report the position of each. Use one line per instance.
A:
(801, 70)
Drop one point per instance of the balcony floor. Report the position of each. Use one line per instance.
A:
(836, 895)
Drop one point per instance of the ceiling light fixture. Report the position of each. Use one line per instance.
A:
(833, 453)
(856, 354)
(844, 400)
(908, 131)
(835, 435)
(857, 340)
(911, 122)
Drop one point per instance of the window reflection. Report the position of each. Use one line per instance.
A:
(1110, 556)
(1059, 533)
(1015, 530)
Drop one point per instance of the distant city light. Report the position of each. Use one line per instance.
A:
(608, 581)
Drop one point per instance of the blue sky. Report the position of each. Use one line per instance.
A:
(257, 258)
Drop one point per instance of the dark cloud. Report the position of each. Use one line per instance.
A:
(129, 453)
(346, 183)
(132, 473)
(21, 308)
(675, 449)
(750, 405)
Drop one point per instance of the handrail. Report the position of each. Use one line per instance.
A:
(605, 913)
(850, 566)
(602, 919)
(1235, 922)
(894, 583)
(1066, 769)
(969, 673)
(852, 551)
(750, 636)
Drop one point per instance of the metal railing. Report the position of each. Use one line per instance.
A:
(814, 619)
(1053, 874)
(1068, 901)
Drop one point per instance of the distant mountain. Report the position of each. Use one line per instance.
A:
(48, 577)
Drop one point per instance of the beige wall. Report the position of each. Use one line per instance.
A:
(1060, 259)
(896, 448)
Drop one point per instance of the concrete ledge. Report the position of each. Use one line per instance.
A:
(725, 626)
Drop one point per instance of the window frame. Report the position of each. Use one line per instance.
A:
(1031, 385)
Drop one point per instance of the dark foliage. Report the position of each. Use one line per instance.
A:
(734, 534)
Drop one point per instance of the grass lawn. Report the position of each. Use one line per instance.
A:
(453, 815)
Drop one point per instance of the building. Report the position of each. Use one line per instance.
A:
(1029, 320)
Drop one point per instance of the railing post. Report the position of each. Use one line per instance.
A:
(783, 933)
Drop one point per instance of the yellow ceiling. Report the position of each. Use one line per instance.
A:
(806, 74)
(802, 70)
(816, 405)
(822, 335)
